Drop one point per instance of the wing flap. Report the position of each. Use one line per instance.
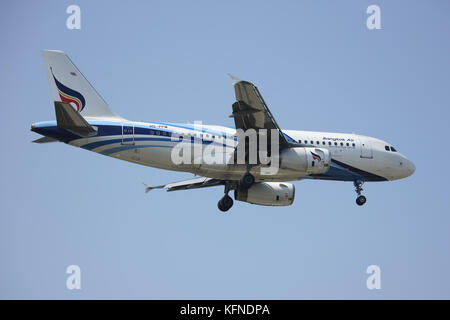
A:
(196, 183)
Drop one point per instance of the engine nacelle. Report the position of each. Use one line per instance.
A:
(267, 194)
(308, 160)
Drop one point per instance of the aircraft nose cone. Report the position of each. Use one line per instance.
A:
(411, 167)
(408, 167)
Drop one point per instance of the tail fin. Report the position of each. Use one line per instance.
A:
(69, 85)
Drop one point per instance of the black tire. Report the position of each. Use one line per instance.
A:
(361, 200)
(247, 180)
(225, 203)
(221, 206)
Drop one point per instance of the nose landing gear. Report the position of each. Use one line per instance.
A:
(360, 200)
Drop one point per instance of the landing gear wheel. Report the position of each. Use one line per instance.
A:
(360, 200)
(358, 188)
(225, 203)
(247, 180)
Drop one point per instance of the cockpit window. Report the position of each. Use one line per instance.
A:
(387, 148)
(393, 149)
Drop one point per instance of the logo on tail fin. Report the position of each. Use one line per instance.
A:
(68, 95)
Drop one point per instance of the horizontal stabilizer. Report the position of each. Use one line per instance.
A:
(69, 119)
(45, 140)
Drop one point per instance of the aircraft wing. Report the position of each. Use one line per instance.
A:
(196, 183)
(250, 111)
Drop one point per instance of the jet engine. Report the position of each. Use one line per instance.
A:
(307, 159)
(267, 194)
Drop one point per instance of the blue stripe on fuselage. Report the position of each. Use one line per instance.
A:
(344, 172)
(122, 148)
(96, 144)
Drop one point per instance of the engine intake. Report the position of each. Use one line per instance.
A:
(267, 194)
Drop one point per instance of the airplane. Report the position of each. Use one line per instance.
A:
(84, 119)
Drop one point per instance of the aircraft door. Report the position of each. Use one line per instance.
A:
(366, 147)
(127, 134)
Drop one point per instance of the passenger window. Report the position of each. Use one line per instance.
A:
(348, 144)
(353, 144)
(312, 142)
(342, 144)
(317, 142)
(306, 141)
(323, 142)
(329, 143)
(386, 148)
(335, 143)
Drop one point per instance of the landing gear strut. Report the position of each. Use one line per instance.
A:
(360, 200)
(226, 202)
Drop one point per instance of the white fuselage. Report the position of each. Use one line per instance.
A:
(354, 157)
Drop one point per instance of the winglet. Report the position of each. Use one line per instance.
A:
(148, 188)
(234, 79)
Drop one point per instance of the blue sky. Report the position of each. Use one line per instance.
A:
(318, 68)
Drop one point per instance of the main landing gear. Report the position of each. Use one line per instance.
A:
(226, 202)
(360, 200)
